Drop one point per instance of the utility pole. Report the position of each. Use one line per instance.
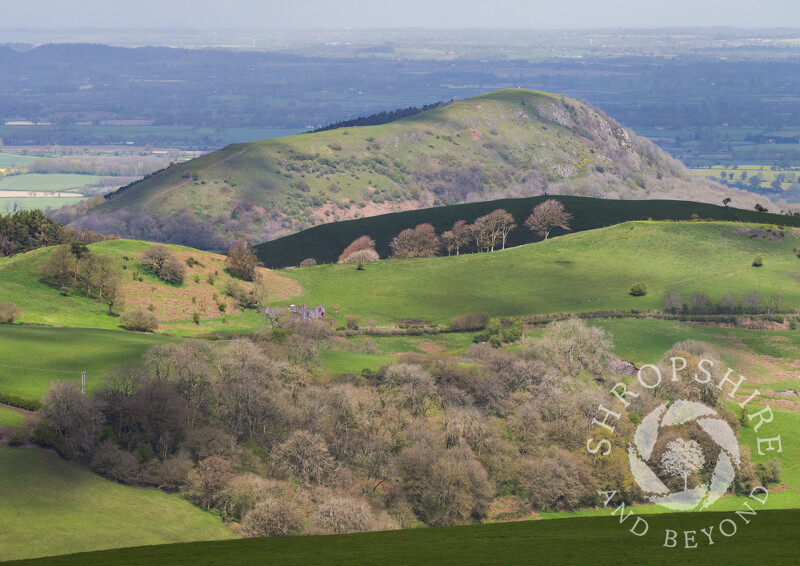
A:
(83, 383)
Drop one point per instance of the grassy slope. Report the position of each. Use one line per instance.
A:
(31, 357)
(52, 507)
(601, 540)
(174, 306)
(554, 276)
(324, 243)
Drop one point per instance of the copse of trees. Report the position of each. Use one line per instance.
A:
(160, 261)
(27, 230)
(242, 261)
(421, 241)
(750, 303)
(75, 267)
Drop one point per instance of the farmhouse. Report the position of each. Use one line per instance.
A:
(316, 313)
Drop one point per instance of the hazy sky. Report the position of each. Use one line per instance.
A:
(285, 14)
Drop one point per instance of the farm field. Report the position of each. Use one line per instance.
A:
(31, 357)
(92, 512)
(767, 172)
(551, 276)
(589, 540)
(12, 204)
(49, 183)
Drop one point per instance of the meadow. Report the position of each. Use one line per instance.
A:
(552, 276)
(589, 540)
(48, 183)
(31, 357)
(92, 512)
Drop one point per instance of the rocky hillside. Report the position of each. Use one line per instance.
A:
(510, 143)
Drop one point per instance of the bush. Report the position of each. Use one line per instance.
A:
(139, 321)
(469, 322)
(308, 262)
(359, 244)
(9, 312)
(361, 256)
(352, 321)
(110, 461)
(639, 289)
(160, 262)
(274, 516)
(758, 260)
(673, 302)
(242, 261)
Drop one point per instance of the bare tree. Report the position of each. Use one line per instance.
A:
(359, 244)
(158, 259)
(422, 241)
(502, 223)
(683, 459)
(548, 215)
(457, 237)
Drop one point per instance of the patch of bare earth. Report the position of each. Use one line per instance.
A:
(203, 289)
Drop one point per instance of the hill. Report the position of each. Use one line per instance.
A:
(174, 305)
(510, 143)
(591, 540)
(588, 271)
(90, 513)
(324, 243)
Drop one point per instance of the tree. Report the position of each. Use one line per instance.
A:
(726, 201)
(61, 268)
(548, 215)
(160, 262)
(492, 230)
(359, 244)
(9, 312)
(457, 237)
(758, 260)
(139, 321)
(242, 260)
(683, 459)
(422, 241)
(673, 302)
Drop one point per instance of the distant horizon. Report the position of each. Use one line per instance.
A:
(421, 14)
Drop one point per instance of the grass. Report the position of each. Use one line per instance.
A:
(326, 242)
(173, 305)
(55, 182)
(7, 159)
(31, 357)
(591, 540)
(52, 507)
(553, 276)
(767, 173)
(339, 361)
(12, 204)
(11, 418)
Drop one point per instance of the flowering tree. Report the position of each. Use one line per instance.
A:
(683, 459)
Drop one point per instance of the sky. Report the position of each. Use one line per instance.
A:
(438, 14)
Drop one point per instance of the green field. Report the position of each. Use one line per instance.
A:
(12, 204)
(339, 361)
(31, 357)
(554, 276)
(46, 182)
(769, 539)
(8, 159)
(52, 507)
(324, 243)
(11, 418)
(768, 173)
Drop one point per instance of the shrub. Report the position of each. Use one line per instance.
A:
(308, 262)
(341, 515)
(352, 321)
(469, 322)
(274, 516)
(110, 461)
(361, 256)
(139, 321)
(196, 317)
(9, 312)
(639, 289)
(242, 260)
(160, 262)
(758, 260)
(673, 302)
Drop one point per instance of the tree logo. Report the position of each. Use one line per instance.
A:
(683, 459)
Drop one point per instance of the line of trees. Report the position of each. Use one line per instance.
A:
(487, 233)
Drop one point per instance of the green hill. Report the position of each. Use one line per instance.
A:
(50, 506)
(586, 271)
(324, 243)
(501, 144)
(173, 305)
(595, 540)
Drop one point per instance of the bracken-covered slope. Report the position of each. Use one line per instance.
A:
(510, 143)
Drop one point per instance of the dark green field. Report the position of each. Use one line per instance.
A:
(768, 539)
(324, 243)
